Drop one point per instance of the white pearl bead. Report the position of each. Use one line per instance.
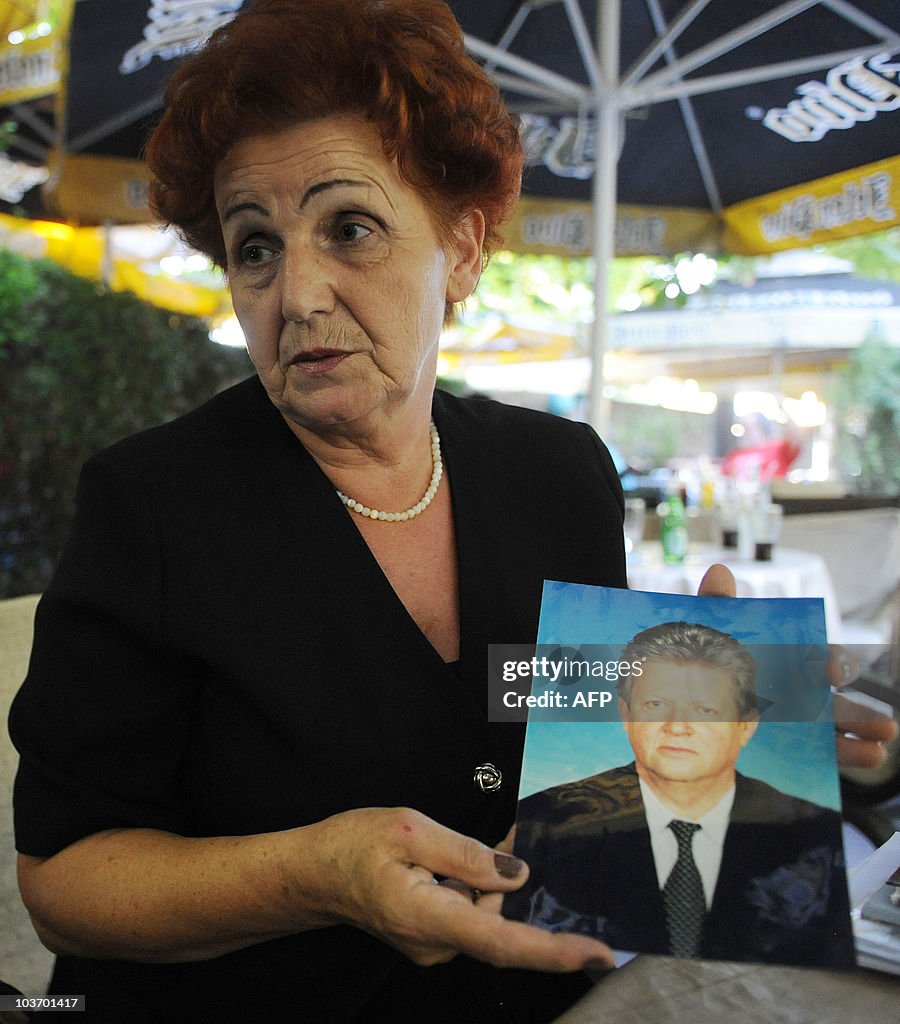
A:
(437, 471)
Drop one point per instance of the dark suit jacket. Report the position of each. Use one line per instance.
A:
(781, 894)
(220, 654)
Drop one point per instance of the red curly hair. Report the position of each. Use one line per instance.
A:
(400, 64)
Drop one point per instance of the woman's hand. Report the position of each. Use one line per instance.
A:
(861, 731)
(385, 865)
(154, 897)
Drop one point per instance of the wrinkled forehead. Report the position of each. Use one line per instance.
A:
(299, 157)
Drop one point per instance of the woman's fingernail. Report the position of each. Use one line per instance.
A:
(507, 866)
(599, 965)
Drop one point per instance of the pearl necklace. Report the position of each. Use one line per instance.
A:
(421, 505)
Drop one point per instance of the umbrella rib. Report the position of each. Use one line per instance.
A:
(583, 41)
(663, 41)
(32, 149)
(113, 124)
(730, 41)
(510, 32)
(862, 20)
(524, 87)
(40, 127)
(561, 85)
(695, 136)
(645, 94)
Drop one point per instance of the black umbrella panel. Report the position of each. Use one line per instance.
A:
(696, 105)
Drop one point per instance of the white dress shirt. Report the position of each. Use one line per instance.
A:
(707, 843)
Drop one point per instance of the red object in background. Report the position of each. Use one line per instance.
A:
(766, 461)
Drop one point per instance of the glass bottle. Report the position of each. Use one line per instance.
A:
(674, 533)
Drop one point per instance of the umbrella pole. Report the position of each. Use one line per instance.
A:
(106, 258)
(604, 199)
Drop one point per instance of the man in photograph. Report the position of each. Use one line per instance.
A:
(678, 852)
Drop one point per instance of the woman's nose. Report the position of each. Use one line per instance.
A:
(307, 286)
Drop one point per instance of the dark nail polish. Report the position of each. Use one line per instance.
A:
(597, 964)
(507, 867)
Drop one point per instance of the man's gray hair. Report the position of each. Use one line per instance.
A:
(688, 642)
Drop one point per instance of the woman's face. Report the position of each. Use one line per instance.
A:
(336, 272)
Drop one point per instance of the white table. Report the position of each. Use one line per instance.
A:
(791, 573)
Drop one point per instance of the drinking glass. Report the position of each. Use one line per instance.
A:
(766, 531)
(635, 512)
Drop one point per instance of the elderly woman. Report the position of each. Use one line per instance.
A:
(254, 735)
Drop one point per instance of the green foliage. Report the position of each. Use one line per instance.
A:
(651, 436)
(876, 257)
(7, 131)
(534, 286)
(81, 368)
(553, 287)
(866, 399)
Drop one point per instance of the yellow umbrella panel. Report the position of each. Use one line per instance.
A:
(34, 49)
(842, 205)
(838, 206)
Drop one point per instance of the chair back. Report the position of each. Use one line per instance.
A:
(26, 964)
(861, 549)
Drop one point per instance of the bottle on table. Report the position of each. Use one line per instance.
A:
(674, 531)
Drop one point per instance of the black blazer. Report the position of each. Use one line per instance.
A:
(219, 653)
(781, 894)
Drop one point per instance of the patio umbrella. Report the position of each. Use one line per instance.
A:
(681, 112)
(120, 55)
(705, 105)
(33, 51)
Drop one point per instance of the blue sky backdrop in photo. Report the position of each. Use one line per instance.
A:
(794, 747)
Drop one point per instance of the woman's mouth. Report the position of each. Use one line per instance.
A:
(318, 360)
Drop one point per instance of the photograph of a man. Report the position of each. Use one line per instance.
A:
(678, 852)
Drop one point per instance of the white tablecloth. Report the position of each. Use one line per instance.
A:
(664, 990)
(791, 573)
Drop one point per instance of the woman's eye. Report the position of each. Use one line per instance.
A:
(254, 253)
(351, 231)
